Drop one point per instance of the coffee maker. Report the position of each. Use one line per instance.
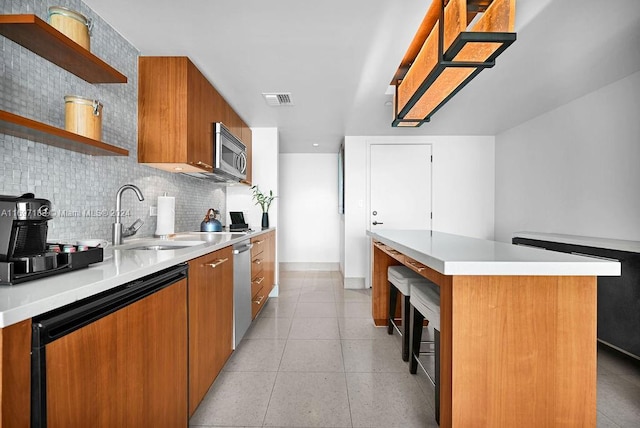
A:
(24, 252)
(23, 232)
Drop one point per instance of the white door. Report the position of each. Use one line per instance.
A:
(400, 186)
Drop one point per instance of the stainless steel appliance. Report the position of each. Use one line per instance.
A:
(241, 290)
(229, 157)
(24, 251)
(58, 325)
(210, 222)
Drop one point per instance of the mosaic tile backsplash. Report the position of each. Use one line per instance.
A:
(83, 188)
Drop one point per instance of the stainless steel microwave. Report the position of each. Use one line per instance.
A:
(230, 154)
(229, 158)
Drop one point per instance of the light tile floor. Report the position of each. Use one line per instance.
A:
(313, 358)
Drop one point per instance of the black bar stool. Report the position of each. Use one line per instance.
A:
(425, 304)
(401, 279)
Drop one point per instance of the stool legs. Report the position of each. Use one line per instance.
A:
(393, 299)
(416, 338)
(406, 331)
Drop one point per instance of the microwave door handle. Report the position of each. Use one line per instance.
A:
(217, 150)
(243, 163)
(239, 162)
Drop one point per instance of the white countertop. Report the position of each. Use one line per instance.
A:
(23, 301)
(461, 255)
(585, 241)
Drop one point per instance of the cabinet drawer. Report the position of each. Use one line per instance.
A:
(257, 263)
(390, 251)
(257, 284)
(259, 242)
(257, 302)
(416, 266)
(212, 260)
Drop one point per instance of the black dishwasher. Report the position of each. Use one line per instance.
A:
(60, 322)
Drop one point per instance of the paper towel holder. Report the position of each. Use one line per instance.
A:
(168, 215)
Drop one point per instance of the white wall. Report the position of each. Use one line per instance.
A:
(574, 170)
(462, 187)
(264, 174)
(310, 235)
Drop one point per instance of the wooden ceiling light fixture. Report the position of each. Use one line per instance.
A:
(443, 56)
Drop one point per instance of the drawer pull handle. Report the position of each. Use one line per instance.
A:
(217, 263)
(258, 242)
(258, 300)
(258, 261)
(259, 280)
(419, 267)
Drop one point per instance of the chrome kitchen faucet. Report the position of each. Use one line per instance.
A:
(118, 230)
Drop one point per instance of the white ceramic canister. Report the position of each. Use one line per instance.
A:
(83, 116)
(72, 24)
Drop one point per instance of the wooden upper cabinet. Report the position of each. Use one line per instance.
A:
(177, 107)
(170, 127)
(247, 140)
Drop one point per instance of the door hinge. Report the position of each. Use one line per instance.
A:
(431, 216)
(431, 158)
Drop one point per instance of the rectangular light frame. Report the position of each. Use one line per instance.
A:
(446, 60)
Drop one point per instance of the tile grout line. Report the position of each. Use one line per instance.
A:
(344, 366)
(266, 412)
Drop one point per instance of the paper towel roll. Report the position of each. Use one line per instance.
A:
(166, 215)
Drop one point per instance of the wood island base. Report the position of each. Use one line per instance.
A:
(516, 351)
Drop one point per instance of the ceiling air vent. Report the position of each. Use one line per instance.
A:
(278, 99)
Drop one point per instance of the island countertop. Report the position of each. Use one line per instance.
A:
(518, 336)
(120, 266)
(460, 255)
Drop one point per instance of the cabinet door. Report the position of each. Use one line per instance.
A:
(15, 375)
(162, 109)
(128, 369)
(156, 359)
(210, 320)
(200, 105)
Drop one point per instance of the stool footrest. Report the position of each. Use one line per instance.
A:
(433, 382)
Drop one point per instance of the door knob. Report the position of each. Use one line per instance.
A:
(377, 222)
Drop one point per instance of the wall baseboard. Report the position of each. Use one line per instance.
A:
(274, 291)
(302, 266)
(355, 283)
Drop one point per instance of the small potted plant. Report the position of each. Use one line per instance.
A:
(265, 202)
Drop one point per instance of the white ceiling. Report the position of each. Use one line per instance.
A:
(337, 58)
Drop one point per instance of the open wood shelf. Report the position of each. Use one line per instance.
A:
(18, 126)
(42, 39)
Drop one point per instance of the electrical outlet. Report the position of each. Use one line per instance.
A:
(153, 211)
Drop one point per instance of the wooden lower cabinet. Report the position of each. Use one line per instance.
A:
(127, 369)
(210, 320)
(15, 374)
(262, 270)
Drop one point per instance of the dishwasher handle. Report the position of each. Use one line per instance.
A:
(242, 248)
(57, 323)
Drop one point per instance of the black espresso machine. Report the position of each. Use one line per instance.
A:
(24, 252)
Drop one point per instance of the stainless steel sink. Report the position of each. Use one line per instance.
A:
(159, 247)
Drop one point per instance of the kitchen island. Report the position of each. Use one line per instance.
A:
(518, 326)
